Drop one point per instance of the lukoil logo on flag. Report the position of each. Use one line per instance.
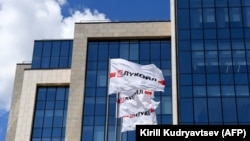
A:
(125, 75)
(139, 101)
(147, 117)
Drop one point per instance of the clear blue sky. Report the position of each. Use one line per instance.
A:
(16, 17)
(125, 10)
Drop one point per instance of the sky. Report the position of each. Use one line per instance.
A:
(23, 21)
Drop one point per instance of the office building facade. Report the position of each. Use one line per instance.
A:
(203, 52)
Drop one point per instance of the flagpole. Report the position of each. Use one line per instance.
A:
(116, 115)
(107, 106)
(121, 129)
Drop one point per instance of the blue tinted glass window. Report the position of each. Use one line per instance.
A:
(186, 110)
(183, 18)
(222, 18)
(237, 33)
(183, 34)
(38, 49)
(235, 17)
(209, 18)
(195, 3)
(234, 2)
(223, 33)
(247, 32)
(49, 123)
(166, 105)
(227, 90)
(101, 91)
(184, 64)
(60, 95)
(198, 62)
(213, 79)
(92, 49)
(63, 62)
(184, 45)
(64, 48)
(186, 91)
(38, 121)
(246, 14)
(227, 79)
(242, 90)
(185, 79)
(37, 132)
(45, 62)
(212, 62)
(210, 34)
(41, 94)
(144, 50)
(54, 62)
(208, 3)
(46, 54)
(113, 49)
(199, 91)
(98, 133)
(183, 3)
(87, 133)
(213, 90)
(134, 50)
(197, 45)
(196, 18)
(237, 44)
(222, 3)
(124, 50)
(214, 110)
(229, 110)
(47, 133)
(224, 44)
(239, 61)
(51, 94)
(156, 50)
(197, 34)
(99, 120)
(200, 110)
(199, 79)
(46, 49)
(100, 106)
(91, 78)
(55, 48)
(89, 106)
(243, 105)
(210, 44)
(88, 120)
(245, 3)
(90, 91)
(36, 62)
(165, 53)
(103, 51)
(56, 132)
(40, 104)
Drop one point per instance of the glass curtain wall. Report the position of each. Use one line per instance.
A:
(95, 95)
(50, 114)
(213, 39)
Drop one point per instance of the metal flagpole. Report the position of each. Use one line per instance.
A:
(107, 107)
(116, 115)
(121, 129)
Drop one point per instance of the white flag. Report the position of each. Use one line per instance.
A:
(147, 117)
(125, 75)
(134, 101)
